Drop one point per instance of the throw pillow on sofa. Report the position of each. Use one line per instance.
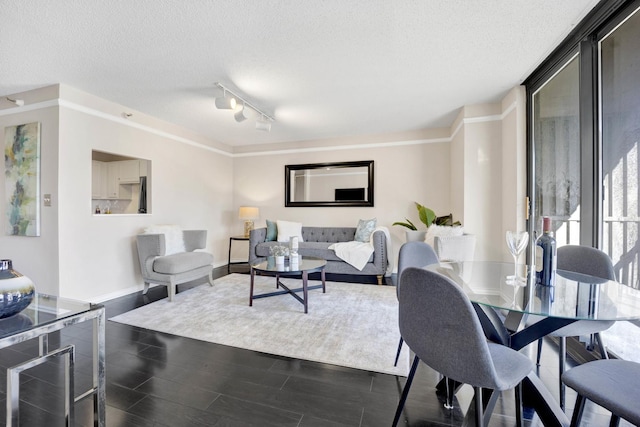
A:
(287, 229)
(173, 240)
(364, 230)
(272, 231)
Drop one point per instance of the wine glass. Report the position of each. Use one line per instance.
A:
(517, 242)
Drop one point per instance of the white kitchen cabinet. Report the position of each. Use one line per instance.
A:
(128, 171)
(98, 180)
(113, 183)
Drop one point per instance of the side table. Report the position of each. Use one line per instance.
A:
(231, 239)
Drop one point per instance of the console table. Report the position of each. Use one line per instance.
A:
(47, 314)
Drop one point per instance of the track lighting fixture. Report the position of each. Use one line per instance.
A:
(18, 102)
(243, 113)
(227, 102)
(263, 124)
(243, 109)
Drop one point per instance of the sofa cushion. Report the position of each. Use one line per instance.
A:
(179, 263)
(364, 229)
(173, 238)
(287, 229)
(272, 231)
(314, 249)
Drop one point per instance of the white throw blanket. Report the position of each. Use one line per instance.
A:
(355, 253)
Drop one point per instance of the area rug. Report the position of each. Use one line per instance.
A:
(352, 325)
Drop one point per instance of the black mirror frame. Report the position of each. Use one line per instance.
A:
(365, 203)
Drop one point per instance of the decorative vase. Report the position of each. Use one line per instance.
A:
(279, 259)
(16, 290)
(416, 236)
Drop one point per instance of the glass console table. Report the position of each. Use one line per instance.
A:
(47, 314)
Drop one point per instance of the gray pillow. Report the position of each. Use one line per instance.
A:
(364, 230)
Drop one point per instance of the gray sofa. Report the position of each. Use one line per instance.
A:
(316, 243)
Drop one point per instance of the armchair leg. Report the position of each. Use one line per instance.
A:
(379, 277)
(146, 288)
(171, 290)
(210, 278)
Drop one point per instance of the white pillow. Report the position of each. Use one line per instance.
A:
(173, 240)
(286, 229)
(442, 231)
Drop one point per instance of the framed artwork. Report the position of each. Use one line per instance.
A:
(22, 179)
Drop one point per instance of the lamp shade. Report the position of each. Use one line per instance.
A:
(248, 212)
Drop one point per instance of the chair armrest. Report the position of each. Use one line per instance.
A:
(257, 235)
(380, 250)
(194, 239)
(150, 246)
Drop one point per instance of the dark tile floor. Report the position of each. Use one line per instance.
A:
(156, 379)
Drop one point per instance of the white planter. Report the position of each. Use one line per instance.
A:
(279, 259)
(415, 235)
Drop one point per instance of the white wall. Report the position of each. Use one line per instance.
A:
(36, 257)
(404, 172)
(94, 258)
(467, 170)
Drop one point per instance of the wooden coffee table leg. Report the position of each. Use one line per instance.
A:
(305, 276)
(253, 273)
(324, 291)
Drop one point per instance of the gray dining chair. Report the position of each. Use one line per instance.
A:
(413, 254)
(593, 262)
(440, 325)
(612, 384)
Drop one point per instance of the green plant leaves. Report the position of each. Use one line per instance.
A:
(427, 216)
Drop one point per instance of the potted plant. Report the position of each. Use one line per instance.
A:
(279, 252)
(427, 217)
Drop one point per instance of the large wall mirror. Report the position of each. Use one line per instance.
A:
(329, 184)
(119, 184)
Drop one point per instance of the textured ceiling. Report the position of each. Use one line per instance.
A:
(324, 69)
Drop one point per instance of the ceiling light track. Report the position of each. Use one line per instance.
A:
(230, 100)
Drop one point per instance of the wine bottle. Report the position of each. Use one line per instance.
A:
(546, 255)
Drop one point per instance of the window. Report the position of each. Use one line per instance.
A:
(584, 130)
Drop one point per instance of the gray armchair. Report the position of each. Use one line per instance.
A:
(172, 270)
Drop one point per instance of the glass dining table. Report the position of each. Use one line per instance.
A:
(503, 310)
(44, 315)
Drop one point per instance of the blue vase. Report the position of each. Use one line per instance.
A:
(16, 290)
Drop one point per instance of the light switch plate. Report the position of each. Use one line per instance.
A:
(47, 199)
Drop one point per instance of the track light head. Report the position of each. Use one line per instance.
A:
(263, 124)
(226, 102)
(243, 113)
(18, 102)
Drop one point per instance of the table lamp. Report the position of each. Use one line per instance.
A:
(248, 213)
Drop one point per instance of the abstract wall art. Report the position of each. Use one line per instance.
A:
(22, 179)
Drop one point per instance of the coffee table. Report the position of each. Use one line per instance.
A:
(303, 267)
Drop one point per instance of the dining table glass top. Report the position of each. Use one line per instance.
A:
(574, 296)
(43, 309)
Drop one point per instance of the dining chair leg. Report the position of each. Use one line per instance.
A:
(539, 352)
(578, 410)
(405, 391)
(603, 350)
(561, 364)
(518, 393)
(398, 352)
(615, 421)
(479, 404)
(451, 389)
